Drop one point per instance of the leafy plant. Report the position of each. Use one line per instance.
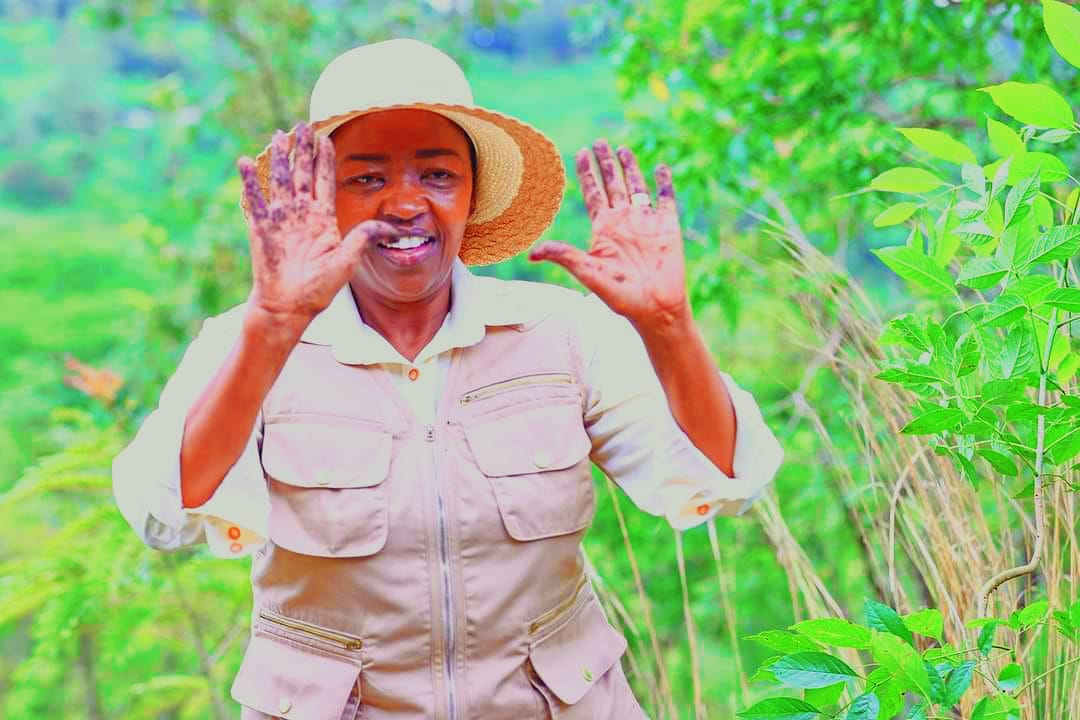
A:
(992, 246)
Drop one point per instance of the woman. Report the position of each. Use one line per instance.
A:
(404, 447)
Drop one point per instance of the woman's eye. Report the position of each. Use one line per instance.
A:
(362, 180)
(440, 174)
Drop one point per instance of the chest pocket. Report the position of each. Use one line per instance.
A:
(537, 459)
(327, 481)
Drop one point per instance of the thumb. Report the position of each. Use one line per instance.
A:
(577, 262)
(348, 252)
(357, 239)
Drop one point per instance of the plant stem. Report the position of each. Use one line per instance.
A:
(1051, 671)
(1040, 502)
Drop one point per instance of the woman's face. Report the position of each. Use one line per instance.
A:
(409, 168)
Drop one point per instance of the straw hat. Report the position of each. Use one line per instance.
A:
(519, 176)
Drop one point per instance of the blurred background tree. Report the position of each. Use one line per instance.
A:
(120, 126)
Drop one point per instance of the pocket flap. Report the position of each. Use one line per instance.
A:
(326, 452)
(575, 655)
(523, 441)
(283, 680)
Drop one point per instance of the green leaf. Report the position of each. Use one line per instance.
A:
(1001, 392)
(782, 708)
(980, 273)
(972, 174)
(1064, 298)
(824, 697)
(1003, 138)
(1018, 201)
(917, 268)
(1050, 168)
(932, 421)
(835, 631)
(979, 711)
(883, 617)
(1058, 244)
(999, 461)
(907, 180)
(1034, 613)
(896, 214)
(1054, 136)
(864, 707)
(763, 675)
(1018, 352)
(784, 642)
(1010, 677)
(928, 622)
(1044, 212)
(939, 145)
(986, 638)
(1001, 707)
(914, 373)
(902, 662)
(1031, 104)
(937, 683)
(1004, 311)
(811, 670)
(957, 683)
(1062, 24)
(888, 690)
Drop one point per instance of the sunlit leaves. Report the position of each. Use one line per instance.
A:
(1018, 352)
(928, 622)
(1003, 138)
(895, 214)
(915, 267)
(906, 180)
(1058, 244)
(1062, 24)
(882, 617)
(780, 708)
(902, 662)
(1032, 104)
(1065, 298)
(939, 145)
(811, 670)
(980, 273)
(834, 631)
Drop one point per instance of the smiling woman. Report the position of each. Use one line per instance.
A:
(406, 448)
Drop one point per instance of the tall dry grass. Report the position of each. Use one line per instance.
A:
(927, 537)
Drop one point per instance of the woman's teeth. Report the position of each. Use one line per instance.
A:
(405, 243)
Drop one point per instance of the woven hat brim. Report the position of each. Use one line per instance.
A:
(520, 178)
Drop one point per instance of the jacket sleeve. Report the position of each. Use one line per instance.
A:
(146, 474)
(639, 445)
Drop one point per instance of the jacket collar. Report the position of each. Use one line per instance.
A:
(476, 302)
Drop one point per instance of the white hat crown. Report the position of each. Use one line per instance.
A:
(391, 72)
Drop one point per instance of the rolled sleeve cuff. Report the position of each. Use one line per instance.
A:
(699, 496)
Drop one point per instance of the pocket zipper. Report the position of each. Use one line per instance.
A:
(559, 610)
(348, 642)
(534, 379)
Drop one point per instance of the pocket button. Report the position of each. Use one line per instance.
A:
(587, 674)
(541, 459)
(284, 705)
(322, 477)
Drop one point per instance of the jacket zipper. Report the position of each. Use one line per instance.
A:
(534, 379)
(559, 610)
(346, 641)
(444, 566)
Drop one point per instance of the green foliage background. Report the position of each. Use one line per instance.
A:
(120, 125)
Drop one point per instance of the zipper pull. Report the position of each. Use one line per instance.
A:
(429, 433)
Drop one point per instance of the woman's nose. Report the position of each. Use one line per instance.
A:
(404, 201)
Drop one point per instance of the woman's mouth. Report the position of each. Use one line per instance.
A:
(406, 250)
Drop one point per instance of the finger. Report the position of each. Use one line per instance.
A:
(576, 261)
(635, 180)
(324, 173)
(345, 256)
(614, 185)
(594, 196)
(665, 188)
(281, 190)
(304, 169)
(253, 197)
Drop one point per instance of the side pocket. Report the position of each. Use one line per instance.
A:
(575, 667)
(290, 675)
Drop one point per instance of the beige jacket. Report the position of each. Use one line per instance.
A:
(417, 569)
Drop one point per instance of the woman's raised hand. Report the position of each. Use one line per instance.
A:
(299, 258)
